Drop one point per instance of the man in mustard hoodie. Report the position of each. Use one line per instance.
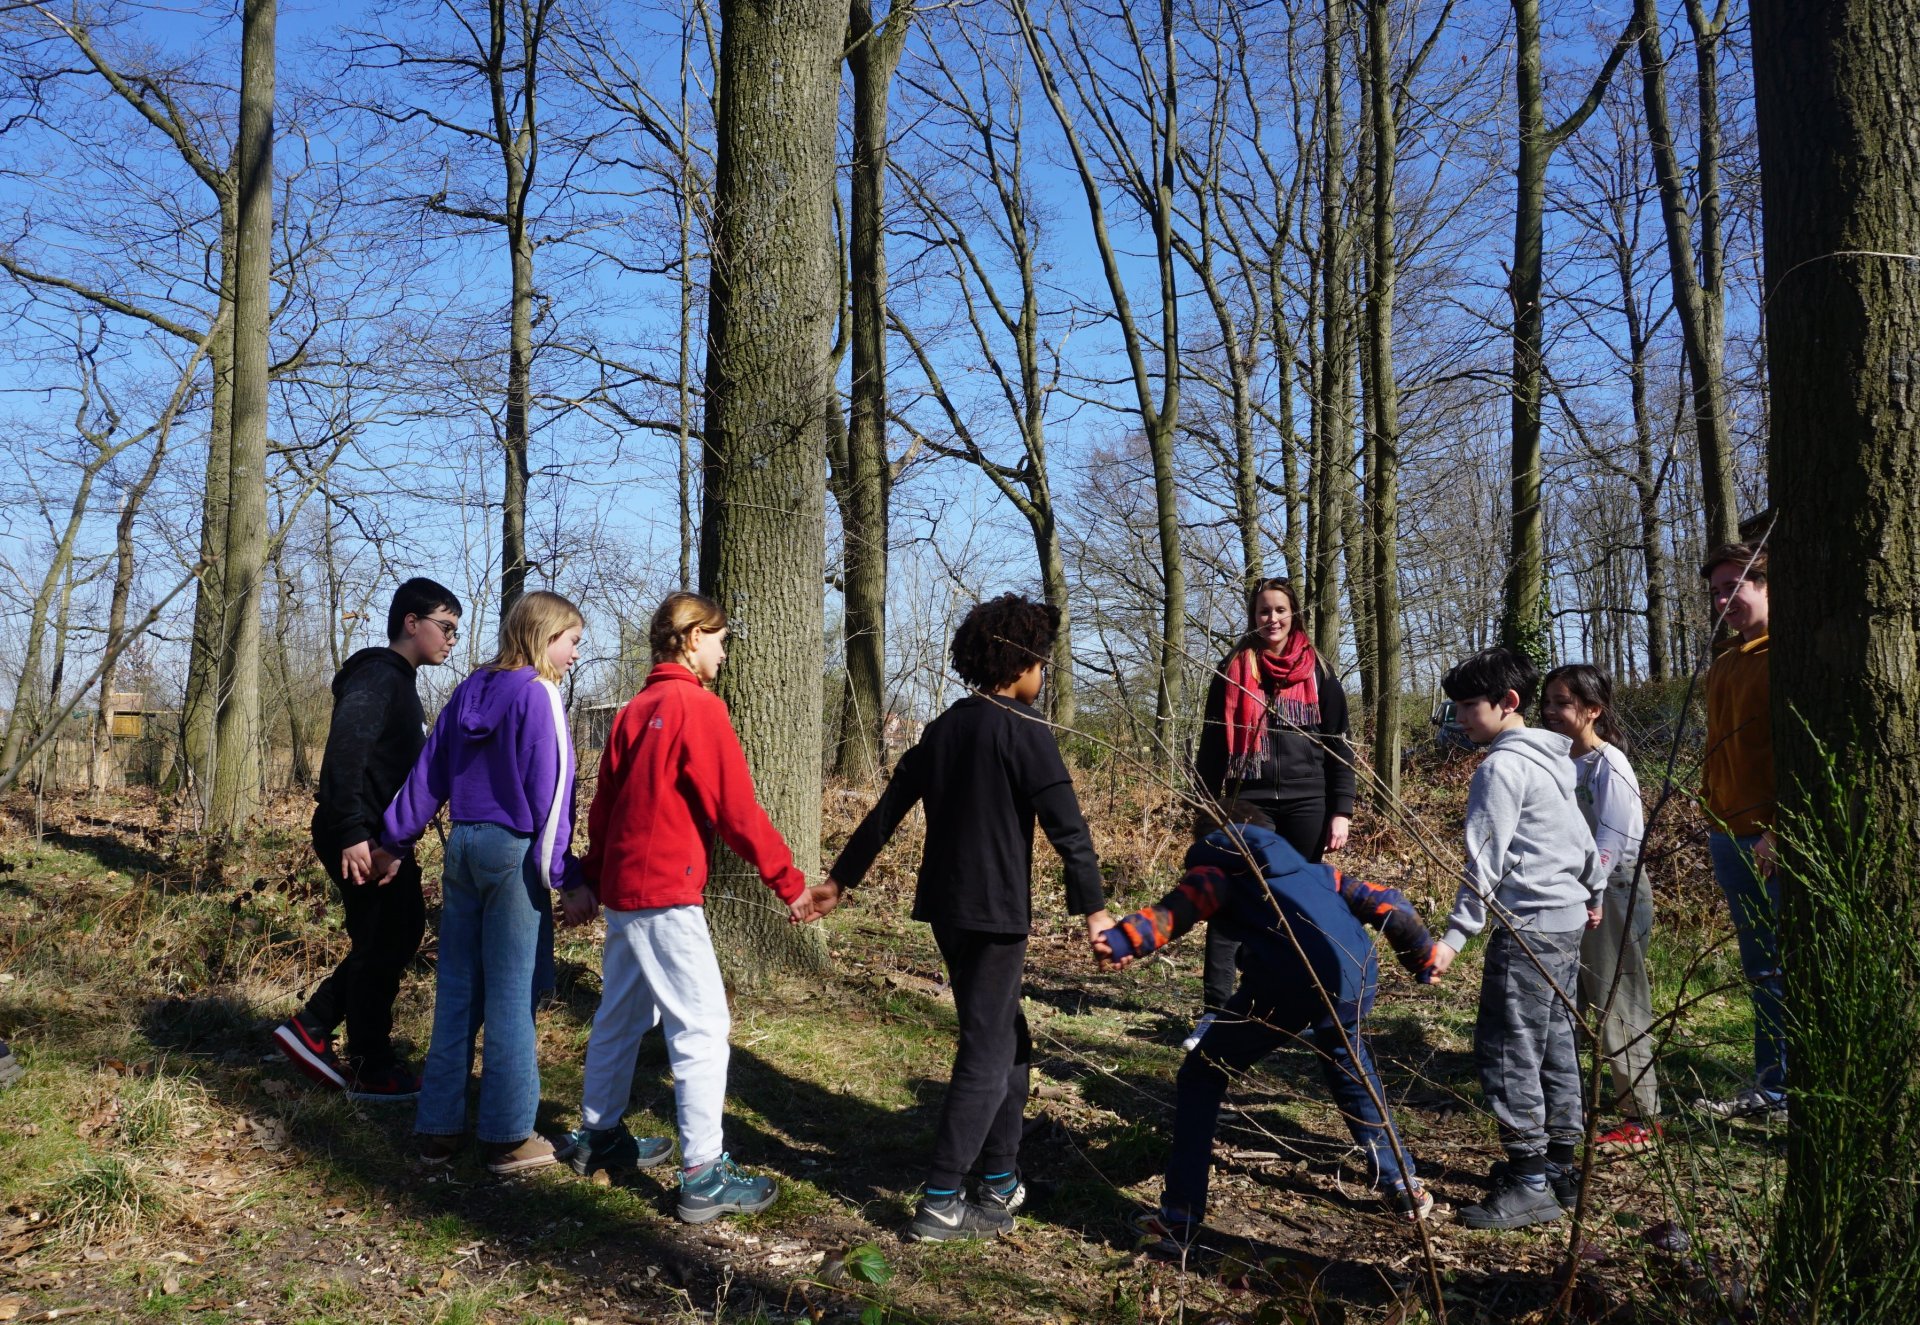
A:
(1737, 784)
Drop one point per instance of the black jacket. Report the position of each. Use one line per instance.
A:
(1305, 763)
(378, 731)
(985, 770)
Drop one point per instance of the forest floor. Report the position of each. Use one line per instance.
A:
(160, 1161)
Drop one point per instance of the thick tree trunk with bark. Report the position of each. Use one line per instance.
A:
(236, 772)
(865, 485)
(1840, 171)
(762, 533)
(203, 651)
(1698, 293)
(1333, 426)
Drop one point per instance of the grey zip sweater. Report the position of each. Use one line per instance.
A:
(1530, 855)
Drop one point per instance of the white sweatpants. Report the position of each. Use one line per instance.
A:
(659, 967)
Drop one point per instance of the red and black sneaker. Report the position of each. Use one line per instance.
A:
(309, 1052)
(393, 1082)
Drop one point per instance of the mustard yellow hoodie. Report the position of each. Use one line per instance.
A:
(1737, 780)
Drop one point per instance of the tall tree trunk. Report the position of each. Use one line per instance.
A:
(203, 649)
(1648, 480)
(1333, 426)
(236, 774)
(286, 607)
(1524, 621)
(123, 567)
(763, 526)
(865, 487)
(1383, 486)
(1698, 293)
(1283, 363)
(1840, 185)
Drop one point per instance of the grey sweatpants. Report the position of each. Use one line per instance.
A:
(1523, 1042)
(1626, 1035)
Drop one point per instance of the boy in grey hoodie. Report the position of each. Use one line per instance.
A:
(1532, 868)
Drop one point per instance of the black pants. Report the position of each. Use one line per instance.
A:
(981, 1118)
(1303, 822)
(385, 925)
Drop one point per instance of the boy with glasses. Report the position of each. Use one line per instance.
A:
(377, 732)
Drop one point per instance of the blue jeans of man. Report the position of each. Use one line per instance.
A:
(1258, 1019)
(1755, 905)
(495, 922)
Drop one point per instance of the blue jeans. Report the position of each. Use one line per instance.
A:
(1258, 1019)
(495, 922)
(1755, 905)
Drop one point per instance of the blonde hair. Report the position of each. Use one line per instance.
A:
(678, 616)
(535, 621)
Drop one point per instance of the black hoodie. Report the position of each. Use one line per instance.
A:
(378, 730)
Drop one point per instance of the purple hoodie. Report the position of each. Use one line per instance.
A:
(499, 754)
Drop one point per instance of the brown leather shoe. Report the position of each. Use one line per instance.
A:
(536, 1152)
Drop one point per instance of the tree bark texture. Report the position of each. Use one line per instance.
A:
(1698, 293)
(867, 482)
(1383, 487)
(1840, 171)
(236, 774)
(1333, 426)
(769, 388)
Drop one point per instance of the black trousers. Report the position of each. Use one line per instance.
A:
(385, 925)
(1303, 822)
(981, 1118)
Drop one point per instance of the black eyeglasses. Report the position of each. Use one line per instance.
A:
(449, 629)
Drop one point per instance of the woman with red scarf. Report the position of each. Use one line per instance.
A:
(1275, 735)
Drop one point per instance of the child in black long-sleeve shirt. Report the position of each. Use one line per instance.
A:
(985, 770)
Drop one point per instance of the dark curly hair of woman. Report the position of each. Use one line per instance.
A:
(1001, 638)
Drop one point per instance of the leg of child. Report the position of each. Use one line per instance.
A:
(1561, 1086)
(509, 934)
(1613, 963)
(1353, 1081)
(1755, 907)
(442, 1110)
(627, 1012)
(1219, 973)
(674, 950)
(1510, 1039)
(1252, 1025)
(985, 971)
(1000, 1154)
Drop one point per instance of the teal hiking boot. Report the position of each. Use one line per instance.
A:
(720, 1188)
(616, 1150)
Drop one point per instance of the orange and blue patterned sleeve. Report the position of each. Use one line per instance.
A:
(1389, 911)
(1200, 895)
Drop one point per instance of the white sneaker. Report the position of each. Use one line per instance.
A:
(1761, 1105)
(1200, 1029)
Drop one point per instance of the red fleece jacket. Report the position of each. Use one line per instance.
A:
(671, 776)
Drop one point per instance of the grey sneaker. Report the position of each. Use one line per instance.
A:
(616, 1150)
(951, 1219)
(10, 1069)
(1767, 1106)
(1514, 1203)
(1562, 1180)
(720, 1188)
(1008, 1193)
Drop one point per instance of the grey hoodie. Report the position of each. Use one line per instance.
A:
(1529, 851)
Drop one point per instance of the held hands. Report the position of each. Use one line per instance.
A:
(815, 902)
(356, 863)
(1337, 832)
(578, 906)
(1443, 956)
(1098, 925)
(385, 866)
(1594, 916)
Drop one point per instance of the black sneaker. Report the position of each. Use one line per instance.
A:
(311, 1052)
(1165, 1236)
(1008, 1193)
(1514, 1203)
(616, 1150)
(951, 1219)
(389, 1085)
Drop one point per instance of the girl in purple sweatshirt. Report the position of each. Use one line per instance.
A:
(501, 759)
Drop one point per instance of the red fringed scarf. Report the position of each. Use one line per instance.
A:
(1258, 682)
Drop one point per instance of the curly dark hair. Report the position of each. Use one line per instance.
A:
(1001, 638)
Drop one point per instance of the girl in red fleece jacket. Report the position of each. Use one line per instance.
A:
(672, 775)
